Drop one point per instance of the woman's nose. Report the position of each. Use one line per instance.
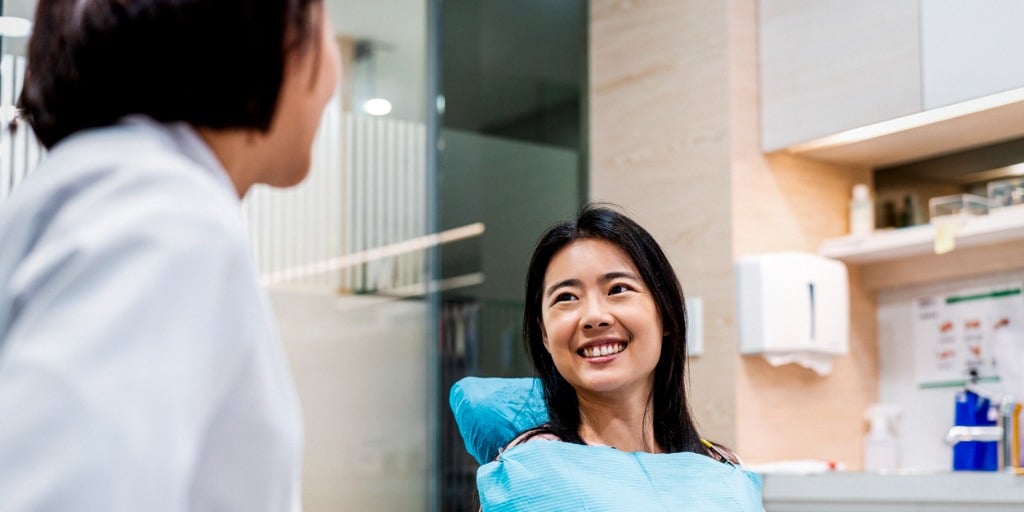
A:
(597, 315)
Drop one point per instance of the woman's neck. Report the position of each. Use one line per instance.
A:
(625, 425)
(234, 151)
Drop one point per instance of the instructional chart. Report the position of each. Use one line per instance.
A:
(956, 336)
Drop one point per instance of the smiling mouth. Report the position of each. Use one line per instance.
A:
(602, 350)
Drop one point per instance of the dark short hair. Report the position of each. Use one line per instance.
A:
(674, 429)
(211, 63)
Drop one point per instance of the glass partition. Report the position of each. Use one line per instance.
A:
(346, 258)
(512, 160)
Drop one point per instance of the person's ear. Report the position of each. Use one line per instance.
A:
(544, 335)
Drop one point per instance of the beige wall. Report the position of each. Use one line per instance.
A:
(674, 139)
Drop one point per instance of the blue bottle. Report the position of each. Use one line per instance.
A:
(972, 411)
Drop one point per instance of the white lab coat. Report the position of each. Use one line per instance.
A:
(140, 367)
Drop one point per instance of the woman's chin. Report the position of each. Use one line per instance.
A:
(290, 178)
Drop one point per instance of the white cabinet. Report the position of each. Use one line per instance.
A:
(831, 65)
(970, 49)
(881, 82)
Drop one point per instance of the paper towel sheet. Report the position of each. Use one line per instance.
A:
(817, 361)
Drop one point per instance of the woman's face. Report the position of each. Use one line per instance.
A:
(599, 320)
(311, 75)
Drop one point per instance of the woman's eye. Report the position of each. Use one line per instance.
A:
(564, 296)
(619, 288)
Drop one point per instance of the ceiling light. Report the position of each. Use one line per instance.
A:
(377, 107)
(13, 26)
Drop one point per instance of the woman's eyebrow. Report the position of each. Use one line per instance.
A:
(610, 276)
(566, 282)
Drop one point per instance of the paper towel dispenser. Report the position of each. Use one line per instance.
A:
(792, 303)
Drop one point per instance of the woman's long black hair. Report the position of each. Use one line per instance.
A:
(674, 430)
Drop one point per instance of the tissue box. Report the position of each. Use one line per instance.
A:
(1005, 193)
(956, 205)
(791, 303)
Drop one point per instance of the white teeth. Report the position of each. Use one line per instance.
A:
(604, 350)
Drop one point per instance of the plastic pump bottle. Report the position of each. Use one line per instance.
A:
(881, 449)
(862, 212)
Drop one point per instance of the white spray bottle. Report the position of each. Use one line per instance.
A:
(881, 448)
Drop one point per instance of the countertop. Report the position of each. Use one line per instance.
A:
(861, 492)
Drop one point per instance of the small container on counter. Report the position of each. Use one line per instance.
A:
(956, 205)
(973, 450)
(1005, 193)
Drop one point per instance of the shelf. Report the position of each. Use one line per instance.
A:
(957, 127)
(1003, 226)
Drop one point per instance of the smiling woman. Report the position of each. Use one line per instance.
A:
(605, 327)
(601, 328)
(600, 284)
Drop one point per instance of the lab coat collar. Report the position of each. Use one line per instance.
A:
(188, 141)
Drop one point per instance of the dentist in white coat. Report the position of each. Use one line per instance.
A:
(140, 367)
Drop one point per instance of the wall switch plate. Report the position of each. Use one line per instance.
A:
(694, 326)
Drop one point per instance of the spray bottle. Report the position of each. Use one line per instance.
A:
(881, 448)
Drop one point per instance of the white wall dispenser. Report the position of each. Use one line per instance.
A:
(793, 308)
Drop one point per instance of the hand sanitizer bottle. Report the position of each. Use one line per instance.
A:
(862, 211)
(881, 449)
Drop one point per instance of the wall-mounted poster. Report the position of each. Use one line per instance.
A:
(956, 336)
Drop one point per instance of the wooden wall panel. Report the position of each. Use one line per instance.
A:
(659, 146)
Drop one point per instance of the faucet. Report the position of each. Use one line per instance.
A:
(960, 434)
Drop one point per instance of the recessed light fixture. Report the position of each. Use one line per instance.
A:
(8, 113)
(13, 26)
(377, 107)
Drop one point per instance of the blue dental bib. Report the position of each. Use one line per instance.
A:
(541, 475)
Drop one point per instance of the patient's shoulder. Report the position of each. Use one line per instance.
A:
(542, 433)
(723, 453)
